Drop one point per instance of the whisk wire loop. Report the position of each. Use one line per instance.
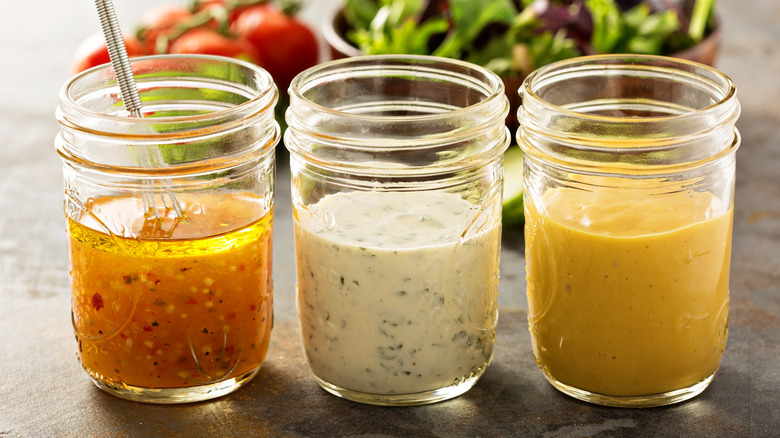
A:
(128, 91)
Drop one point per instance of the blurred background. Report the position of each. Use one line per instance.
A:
(40, 38)
(43, 388)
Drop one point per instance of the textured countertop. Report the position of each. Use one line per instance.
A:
(44, 392)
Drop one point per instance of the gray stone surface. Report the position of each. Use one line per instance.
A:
(44, 392)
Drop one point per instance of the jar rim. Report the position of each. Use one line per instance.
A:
(627, 112)
(70, 104)
(199, 110)
(373, 62)
(397, 114)
(631, 61)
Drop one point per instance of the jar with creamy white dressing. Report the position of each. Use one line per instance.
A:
(396, 168)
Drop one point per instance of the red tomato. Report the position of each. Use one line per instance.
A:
(93, 51)
(286, 45)
(236, 8)
(208, 42)
(212, 5)
(157, 22)
(199, 5)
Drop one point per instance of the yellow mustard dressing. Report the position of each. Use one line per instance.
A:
(628, 297)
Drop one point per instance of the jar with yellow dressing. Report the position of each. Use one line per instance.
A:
(629, 185)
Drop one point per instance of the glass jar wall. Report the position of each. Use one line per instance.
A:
(169, 221)
(396, 182)
(629, 186)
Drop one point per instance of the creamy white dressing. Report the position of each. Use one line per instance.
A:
(397, 292)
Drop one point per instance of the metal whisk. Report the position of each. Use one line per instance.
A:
(132, 100)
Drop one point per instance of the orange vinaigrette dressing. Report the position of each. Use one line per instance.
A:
(190, 309)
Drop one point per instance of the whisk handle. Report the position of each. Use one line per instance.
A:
(119, 59)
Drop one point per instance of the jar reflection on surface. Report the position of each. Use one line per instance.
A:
(169, 222)
(396, 175)
(629, 182)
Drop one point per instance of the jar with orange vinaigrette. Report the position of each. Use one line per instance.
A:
(629, 191)
(169, 221)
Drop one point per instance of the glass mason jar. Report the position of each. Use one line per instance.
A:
(169, 222)
(629, 185)
(396, 168)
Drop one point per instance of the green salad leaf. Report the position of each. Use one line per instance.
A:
(469, 19)
(514, 37)
(637, 30)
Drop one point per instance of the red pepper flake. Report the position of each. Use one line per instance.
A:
(252, 307)
(241, 267)
(147, 328)
(191, 301)
(97, 301)
(157, 281)
(231, 315)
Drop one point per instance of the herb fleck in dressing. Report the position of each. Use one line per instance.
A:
(392, 298)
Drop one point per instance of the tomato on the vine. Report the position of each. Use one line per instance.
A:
(205, 41)
(93, 51)
(199, 5)
(157, 23)
(286, 45)
(233, 9)
(253, 30)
